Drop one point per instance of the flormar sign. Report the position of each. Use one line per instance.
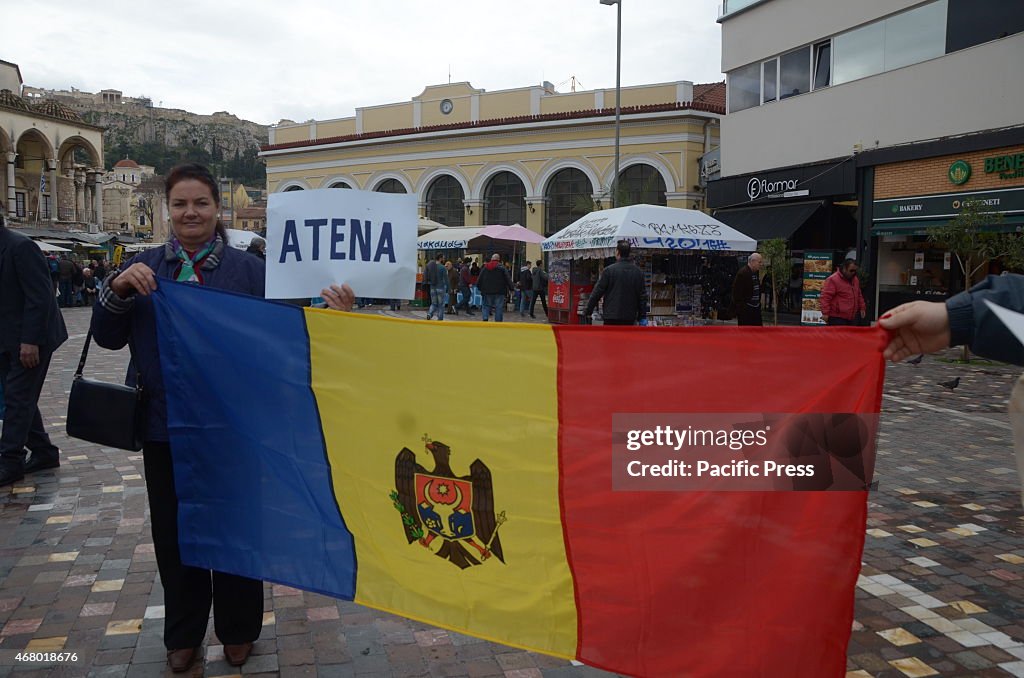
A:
(758, 187)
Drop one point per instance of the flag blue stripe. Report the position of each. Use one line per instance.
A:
(250, 463)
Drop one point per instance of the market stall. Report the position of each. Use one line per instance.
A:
(687, 258)
(452, 242)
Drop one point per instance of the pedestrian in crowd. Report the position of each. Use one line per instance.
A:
(53, 264)
(89, 286)
(100, 270)
(257, 247)
(540, 288)
(746, 292)
(474, 278)
(842, 302)
(65, 277)
(465, 285)
(623, 289)
(525, 287)
(966, 320)
(453, 286)
(77, 280)
(495, 282)
(437, 278)
(31, 329)
(396, 304)
(196, 253)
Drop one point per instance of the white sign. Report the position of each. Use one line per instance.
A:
(919, 261)
(363, 238)
(758, 187)
(946, 260)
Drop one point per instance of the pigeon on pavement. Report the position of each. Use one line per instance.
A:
(952, 384)
(916, 361)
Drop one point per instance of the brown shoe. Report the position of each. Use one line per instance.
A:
(237, 654)
(181, 660)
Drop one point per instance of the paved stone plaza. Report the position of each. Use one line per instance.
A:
(941, 591)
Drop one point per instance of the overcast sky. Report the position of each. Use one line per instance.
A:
(303, 59)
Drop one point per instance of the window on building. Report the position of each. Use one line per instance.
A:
(917, 35)
(569, 197)
(292, 188)
(744, 87)
(46, 208)
(505, 198)
(823, 64)
(859, 53)
(445, 201)
(769, 81)
(973, 22)
(390, 186)
(142, 220)
(795, 73)
(19, 204)
(339, 184)
(641, 184)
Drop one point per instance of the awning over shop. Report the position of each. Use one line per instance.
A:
(769, 221)
(1010, 224)
(455, 238)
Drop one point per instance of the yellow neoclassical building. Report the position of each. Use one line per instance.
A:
(53, 160)
(531, 155)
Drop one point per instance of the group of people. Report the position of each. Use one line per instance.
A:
(73, 283)
(841, 302)
(454, 285)
(32, 328)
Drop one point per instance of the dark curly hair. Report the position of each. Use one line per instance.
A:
(200, 173)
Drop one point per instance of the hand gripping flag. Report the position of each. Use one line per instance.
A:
(461, 474)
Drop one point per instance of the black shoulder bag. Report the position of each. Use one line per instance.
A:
(104, 413)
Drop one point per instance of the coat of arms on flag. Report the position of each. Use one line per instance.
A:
(458, 510)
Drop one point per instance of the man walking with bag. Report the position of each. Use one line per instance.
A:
(31, 329)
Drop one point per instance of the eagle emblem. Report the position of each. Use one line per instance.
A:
(438, 505)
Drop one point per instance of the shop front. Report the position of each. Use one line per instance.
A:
(913, 196)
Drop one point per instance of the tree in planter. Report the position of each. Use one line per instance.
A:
(971, 238)
(777, 269)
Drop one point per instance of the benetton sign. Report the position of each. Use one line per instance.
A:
(1008, 166)
(1005, 201)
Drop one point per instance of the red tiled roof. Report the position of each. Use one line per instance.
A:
(711, 106)
(127, 163)
(711, 93)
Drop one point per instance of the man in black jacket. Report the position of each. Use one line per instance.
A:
(746, 292)
(965, 319)
(623, 289)
(494, 283)
(31, 329)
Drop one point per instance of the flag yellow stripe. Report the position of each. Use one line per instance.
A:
(488, 392)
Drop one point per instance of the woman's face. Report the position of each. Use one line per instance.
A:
(193, 213)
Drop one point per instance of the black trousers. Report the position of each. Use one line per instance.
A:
(543, 296)
(189, 591)
(609, 321)
(23, 424)
(833, 320)
(749, 316)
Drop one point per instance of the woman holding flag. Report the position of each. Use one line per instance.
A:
(124, 315)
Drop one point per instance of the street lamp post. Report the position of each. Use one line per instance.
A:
(618, 94)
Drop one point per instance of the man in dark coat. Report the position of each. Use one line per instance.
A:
(623, 289)
(31, 329)
(494, 282)
(746, 292)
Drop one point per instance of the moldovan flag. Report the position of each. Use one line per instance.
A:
(460, 474)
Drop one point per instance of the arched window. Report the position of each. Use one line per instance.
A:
(641, 184)
(390, 186)
(292, 188)
(569, 195)
(506, 200)
(339, 184)
(444, 199)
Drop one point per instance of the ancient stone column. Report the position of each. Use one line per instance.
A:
(12, 210)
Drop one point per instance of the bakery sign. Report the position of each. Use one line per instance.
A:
(1007, 201)
(759, 187)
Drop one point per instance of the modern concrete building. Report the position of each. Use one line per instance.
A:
(823, 92)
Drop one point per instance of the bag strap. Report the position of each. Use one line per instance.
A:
(85, 354)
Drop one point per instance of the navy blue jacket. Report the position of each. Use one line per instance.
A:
(971, 322)
(237, 272)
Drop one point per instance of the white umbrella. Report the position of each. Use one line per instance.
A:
(650, 227)
(427, 225)
(455, 238)
(47, 247)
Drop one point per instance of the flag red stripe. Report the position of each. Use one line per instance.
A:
(713, 583)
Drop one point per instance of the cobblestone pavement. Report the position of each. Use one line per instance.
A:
(941, 591)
